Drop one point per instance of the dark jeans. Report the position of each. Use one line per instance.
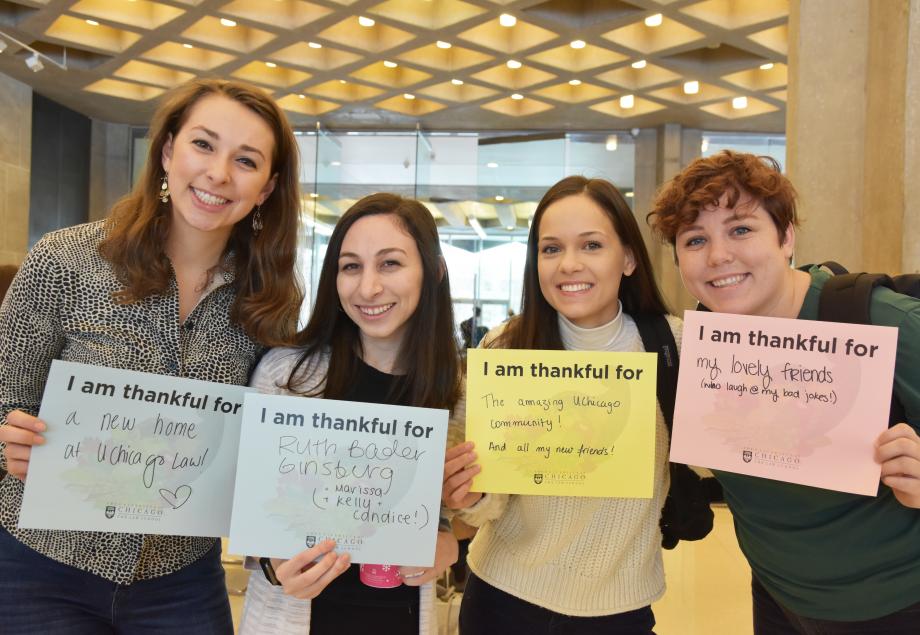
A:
(486, 610)
(771, 618)
(41, 595)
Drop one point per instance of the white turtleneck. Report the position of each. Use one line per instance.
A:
(577, 555)
(619, 334)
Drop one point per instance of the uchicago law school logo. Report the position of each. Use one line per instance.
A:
(311, 541)
(538, 477)
(110, 511)
(747, 456)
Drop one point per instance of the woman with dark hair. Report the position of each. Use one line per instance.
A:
(822, 561)
(381, 331)
(554, 564)
(191, 276)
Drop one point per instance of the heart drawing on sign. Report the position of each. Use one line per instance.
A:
(178, 498)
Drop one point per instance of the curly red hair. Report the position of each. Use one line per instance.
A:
(706, 180)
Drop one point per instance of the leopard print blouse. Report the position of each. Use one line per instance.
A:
(60, 307)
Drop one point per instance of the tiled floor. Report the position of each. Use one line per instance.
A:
(708, 581)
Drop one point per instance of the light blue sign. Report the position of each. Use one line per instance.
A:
(367, 475)
(133, 452)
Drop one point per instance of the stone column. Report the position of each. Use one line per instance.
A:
(15, 168)
(851, 127)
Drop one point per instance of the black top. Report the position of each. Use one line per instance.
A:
(371, 386)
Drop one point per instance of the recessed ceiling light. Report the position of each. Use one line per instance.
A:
(767, 66)
(739, 103)
(314, 45)
(517, 96)
(506, 19)
(457, 82)
(575, 82)
(365, 21)
(639, 64)
(271, 64)
(627, 101)
(499, 197)
(653, 20)
(302, 96)
(342, 81)
(513, 64)
(611, 144)
(629, 194)
(188, 46)
(390, 64)
(92, 23)
(691, 87)
(409, 96)
(491, 164)
(441, 44)
(577, 44)
(227, 22)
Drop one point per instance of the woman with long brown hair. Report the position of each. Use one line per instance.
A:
(191, 276)
(556, 564)
(381, 331)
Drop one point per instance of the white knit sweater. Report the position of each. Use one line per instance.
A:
(576, 555)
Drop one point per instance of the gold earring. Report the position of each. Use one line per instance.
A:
(164, 189)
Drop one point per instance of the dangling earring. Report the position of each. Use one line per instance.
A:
(164, 189)
(257, 220)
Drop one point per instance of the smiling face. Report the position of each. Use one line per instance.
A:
(219, 166)
(379, 281)
(580, 261)
(733, 261)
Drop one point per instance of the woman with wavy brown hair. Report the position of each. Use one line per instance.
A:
(191, 276)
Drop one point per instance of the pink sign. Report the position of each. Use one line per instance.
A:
(793, 400)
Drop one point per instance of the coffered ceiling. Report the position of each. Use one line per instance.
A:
(447, 64)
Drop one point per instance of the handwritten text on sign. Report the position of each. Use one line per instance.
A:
(367, 475)
(562, 423)
(133, 452)
(794, 400)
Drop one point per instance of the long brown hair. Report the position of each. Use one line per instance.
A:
(429, 351)
(537, 326)
(268, 296)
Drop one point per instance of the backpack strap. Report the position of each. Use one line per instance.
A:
(657, 338)
(846, 297)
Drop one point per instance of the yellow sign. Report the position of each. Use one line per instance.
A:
(562, 423)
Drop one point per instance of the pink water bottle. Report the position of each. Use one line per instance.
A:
(380, 576)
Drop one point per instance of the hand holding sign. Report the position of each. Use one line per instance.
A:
(21, 432)
(459, 471)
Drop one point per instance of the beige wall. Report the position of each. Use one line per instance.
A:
(851, 131)
(15, 166)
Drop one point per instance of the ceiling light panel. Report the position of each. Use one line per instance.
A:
(431, 14)
(139, 14)
(240, 38)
